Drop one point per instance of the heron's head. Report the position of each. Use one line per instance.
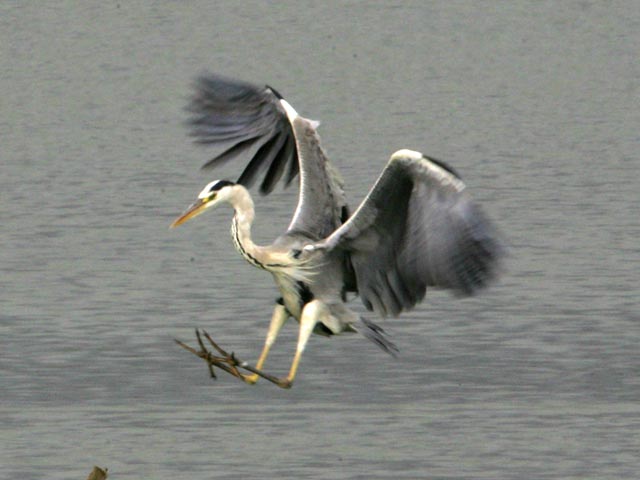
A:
(213, 194)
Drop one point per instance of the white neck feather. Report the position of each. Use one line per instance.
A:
(241, 201)
(267, 258)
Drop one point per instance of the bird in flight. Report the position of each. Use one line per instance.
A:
(417, 227)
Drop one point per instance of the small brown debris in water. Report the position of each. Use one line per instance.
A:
(98, 474)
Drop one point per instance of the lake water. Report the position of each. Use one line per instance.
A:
(536, 104)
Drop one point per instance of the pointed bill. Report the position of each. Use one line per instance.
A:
(195, 209)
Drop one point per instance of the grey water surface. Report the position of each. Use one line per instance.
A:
(536, 104)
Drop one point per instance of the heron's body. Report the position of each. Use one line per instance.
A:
(416, 228)
(317, 280)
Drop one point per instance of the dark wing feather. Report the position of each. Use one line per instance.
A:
(243, 117)
(235, 150)
(261, 159)
(417, 228)
(278, 165)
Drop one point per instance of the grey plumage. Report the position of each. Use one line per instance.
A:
(417, 228)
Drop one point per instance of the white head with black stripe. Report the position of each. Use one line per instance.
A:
(213, 194)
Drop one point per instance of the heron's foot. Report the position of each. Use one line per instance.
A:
(230, 363)
(250, 379)
(224, 361)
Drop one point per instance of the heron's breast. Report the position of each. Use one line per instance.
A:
(295, 294)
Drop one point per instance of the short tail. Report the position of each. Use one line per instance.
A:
(377, 335)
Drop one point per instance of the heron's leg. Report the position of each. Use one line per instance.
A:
(311, 314)
(278, 319)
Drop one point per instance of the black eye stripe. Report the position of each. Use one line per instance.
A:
(220, 184)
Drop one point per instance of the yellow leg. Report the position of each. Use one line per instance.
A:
(278, 319)
(311, 314)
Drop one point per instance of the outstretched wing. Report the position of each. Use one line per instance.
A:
(244, 118)
(417, 228)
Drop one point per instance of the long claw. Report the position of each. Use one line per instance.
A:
(203, 349)
(281, 382)
(211, 360)
(215, 345)
(228, 359)
(229, 362)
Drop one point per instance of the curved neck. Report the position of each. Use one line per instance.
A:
(242, 203)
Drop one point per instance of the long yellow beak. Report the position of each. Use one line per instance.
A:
(194, 210)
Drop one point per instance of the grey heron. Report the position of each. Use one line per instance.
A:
(417, 227)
